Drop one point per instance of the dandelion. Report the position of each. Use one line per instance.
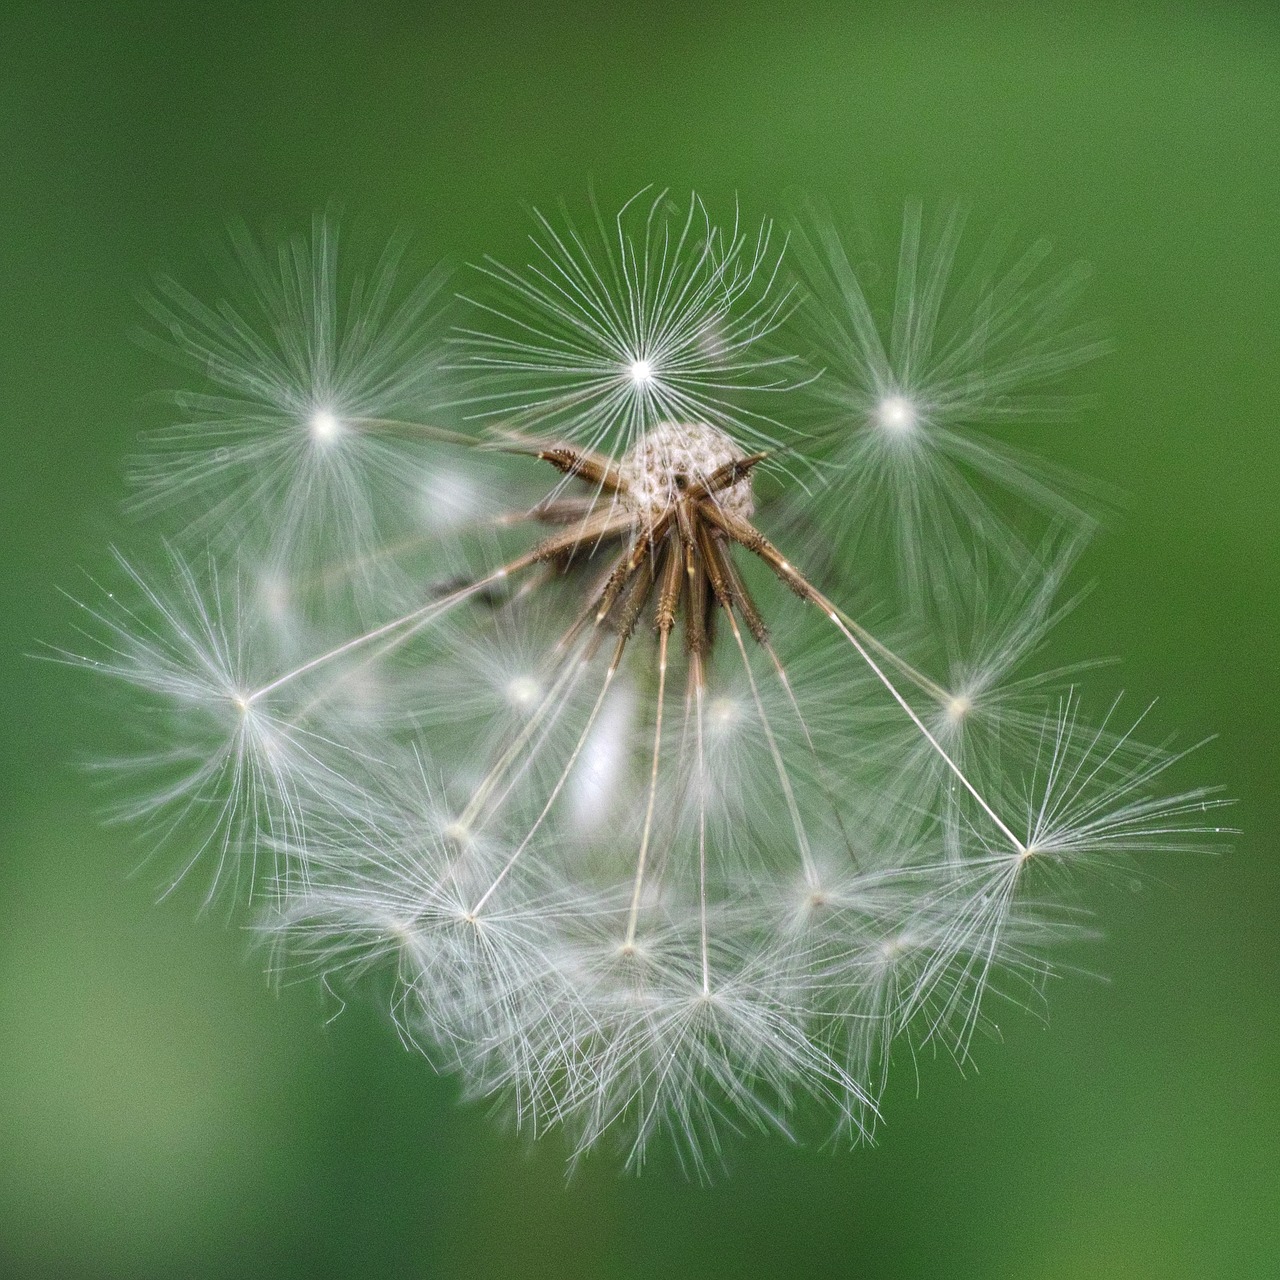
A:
(645, 832)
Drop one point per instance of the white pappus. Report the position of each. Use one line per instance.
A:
(567, 715)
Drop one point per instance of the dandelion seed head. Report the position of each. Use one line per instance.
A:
(674, 457)
(533, 724)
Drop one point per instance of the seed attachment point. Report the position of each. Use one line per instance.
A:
(324, 427)
(897, 415)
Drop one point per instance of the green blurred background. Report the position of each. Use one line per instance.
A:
(162, 1112)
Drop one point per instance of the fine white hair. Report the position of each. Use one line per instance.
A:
(573, 726)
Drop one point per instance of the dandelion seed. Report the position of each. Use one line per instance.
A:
(918, 392)
(646, 830)
(226, 774)
(295, 426)
(606, 333)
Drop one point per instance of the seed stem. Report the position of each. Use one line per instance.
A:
(784, 779)
(555, 791)
(664, 637)
(413, 621)
(695, 676)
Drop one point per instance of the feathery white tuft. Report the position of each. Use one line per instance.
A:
(570, 737)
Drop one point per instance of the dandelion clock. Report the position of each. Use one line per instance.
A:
(630, 664)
